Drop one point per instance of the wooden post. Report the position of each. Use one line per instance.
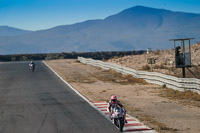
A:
(183, 72)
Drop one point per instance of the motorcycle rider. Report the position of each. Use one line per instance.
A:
(112, 103)
(32, 64)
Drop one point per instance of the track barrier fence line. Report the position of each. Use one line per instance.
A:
(175, 83)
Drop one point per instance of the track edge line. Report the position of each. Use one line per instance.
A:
(91, 104)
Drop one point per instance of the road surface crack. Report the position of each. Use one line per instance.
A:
(43, 122)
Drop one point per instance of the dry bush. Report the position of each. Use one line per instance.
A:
(115, 57)
(78, 61)
(112, 71)
(79, 78)
(157, 52)
(184, 97)
(103, 91)
(181, 95)
(113, 76)
(104, 60)
(146, 67)
(164, 86)
(159, 66)
(131, 79)
(193, 72)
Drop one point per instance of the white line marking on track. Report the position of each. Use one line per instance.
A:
(101, 107)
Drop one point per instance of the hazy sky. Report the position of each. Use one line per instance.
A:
(43, 14)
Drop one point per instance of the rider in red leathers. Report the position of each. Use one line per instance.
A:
(111, 104)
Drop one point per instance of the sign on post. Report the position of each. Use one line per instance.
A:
(151, 61)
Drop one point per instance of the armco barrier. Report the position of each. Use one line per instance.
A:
(151, 77)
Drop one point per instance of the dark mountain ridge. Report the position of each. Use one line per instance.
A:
(136, 28)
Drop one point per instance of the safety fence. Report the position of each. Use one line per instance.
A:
(175, 83)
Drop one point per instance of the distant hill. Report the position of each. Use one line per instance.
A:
(136, 28)
(9, 31)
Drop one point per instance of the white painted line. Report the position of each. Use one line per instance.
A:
(135, 127)
(131, 118)
(131, 122)
(102, 107)
(91, 104)
(105, 112)
(96, 105)
(150, 131)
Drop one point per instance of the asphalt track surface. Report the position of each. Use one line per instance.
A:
(39, 102)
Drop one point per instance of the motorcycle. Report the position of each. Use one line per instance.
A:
(32, 67)
(118, 117)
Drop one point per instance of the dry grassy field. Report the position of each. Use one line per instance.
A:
(161, 108)
(164, 62)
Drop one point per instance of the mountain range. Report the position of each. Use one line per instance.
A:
(136, 28)
(9, 31)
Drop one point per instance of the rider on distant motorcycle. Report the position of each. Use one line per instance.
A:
(111, 104)
(32, 64)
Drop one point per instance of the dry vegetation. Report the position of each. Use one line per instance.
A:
(164, 62)
(185, 97)
(165, 110)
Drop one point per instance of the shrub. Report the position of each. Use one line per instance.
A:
(157, 52)
(146, 67)
(164, 86)
(159, 67)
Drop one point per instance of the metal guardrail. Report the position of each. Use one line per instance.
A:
(175, 83)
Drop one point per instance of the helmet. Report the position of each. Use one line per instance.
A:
(113, 99)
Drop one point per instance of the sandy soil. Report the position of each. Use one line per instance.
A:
(142, 100)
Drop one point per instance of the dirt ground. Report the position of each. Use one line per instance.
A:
(164, 62)
(154, 105)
